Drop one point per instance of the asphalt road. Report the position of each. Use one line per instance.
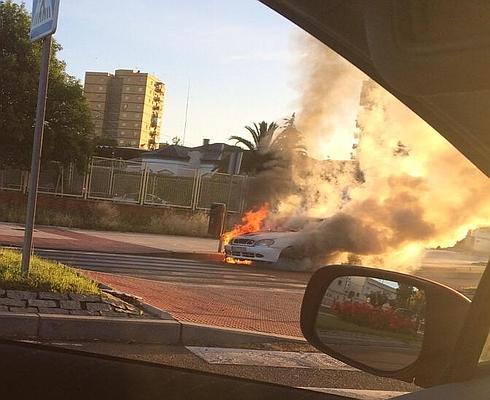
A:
(334, 380)
(202, 277)
(452, 268)
(237, 293)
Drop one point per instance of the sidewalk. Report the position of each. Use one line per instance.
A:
(251, 309)
(60, 238)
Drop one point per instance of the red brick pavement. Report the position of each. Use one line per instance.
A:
(255, 309)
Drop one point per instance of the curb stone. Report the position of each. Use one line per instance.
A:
(129, 330)
(206, 335)
(75, 327)
(138, 302)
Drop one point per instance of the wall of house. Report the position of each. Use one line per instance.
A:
(178, 167)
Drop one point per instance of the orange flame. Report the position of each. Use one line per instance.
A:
(252, 221)
(231, 260)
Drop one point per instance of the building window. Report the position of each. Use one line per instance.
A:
(140, 89)
(124, 114)
(126, 97)
(123, 133)
(101, 87)
(124, 107)
(128, 89)
(123, 124)
(136, 125)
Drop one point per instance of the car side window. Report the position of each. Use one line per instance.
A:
(485, 354)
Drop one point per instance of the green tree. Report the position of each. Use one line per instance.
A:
(289, 142)
(258, 156)
(404, 295)
(68, 132)
(261, 136)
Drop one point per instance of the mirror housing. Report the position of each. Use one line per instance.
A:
(444, 316)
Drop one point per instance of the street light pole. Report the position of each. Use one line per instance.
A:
(36, 154)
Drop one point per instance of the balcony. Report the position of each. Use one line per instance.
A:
(154, 122)
(159, 87)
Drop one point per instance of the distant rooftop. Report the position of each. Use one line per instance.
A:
(210, 152)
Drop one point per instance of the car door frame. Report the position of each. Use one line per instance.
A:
(473, 337)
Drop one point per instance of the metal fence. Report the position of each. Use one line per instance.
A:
(135, 183)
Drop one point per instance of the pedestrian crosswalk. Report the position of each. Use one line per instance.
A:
(179, 271)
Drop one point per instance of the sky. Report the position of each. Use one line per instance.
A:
(237, 57)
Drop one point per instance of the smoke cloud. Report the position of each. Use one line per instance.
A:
(329, 88)
(406, 190)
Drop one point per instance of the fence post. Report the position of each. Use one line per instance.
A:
(88, 180)
(62, 179)
(111, 181)
(195, 190)
(143, 184)
(243, 193)
(230, 190)
(25, 183)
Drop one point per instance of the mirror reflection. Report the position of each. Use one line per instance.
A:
(376, 322)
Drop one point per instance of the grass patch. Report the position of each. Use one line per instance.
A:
(44, 275)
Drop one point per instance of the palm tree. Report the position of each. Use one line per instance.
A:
(289, 140)
(261, 135)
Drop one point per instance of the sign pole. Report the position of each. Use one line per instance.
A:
(36, 154)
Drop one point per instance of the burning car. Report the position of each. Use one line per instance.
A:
(259, 246)
(250, 242)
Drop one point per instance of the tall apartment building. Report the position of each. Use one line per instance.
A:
(126, 106)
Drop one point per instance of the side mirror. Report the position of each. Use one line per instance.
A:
(382, 322)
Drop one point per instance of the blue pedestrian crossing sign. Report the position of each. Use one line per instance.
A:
(44, 18)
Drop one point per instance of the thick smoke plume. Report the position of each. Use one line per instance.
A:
(415, 189)
(329, 88)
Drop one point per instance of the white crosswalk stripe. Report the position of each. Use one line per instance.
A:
(173, 270)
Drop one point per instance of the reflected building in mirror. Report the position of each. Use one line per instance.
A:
(357, 289)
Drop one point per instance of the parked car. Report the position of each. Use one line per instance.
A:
(154, 199)
(126, 198)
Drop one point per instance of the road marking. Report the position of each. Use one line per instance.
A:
(360, 394)
(177, 271)
(268, 358)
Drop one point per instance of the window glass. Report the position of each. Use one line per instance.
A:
(259, 115)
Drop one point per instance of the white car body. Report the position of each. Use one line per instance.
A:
(249, 247)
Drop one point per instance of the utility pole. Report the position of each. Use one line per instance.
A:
(186, 111)
(43, 24)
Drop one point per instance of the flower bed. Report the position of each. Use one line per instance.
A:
(364, 314)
